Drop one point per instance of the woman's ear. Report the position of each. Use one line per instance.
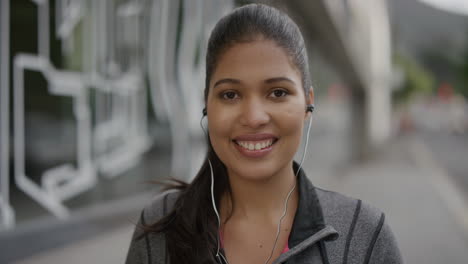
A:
(310, 100)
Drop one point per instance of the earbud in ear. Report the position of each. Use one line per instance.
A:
(204, 111)
(310, 108)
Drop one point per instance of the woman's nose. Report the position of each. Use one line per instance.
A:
(254, 114)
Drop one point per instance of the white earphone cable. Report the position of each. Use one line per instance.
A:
(213, 201)
(290, 192)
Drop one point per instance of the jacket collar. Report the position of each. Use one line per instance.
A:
(309, 216)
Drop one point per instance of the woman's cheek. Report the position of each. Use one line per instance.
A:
(220, 126)
(220, 121)
(292, 120)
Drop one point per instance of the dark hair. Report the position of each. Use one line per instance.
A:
(191, 227)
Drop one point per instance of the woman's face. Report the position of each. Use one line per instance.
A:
(256, 110)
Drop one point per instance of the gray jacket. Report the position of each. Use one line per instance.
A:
(328, 228)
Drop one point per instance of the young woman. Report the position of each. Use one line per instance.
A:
(250, 202)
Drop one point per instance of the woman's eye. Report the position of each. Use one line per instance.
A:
(278, 93)
(229, 95)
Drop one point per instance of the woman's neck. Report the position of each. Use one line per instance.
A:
(262, 199)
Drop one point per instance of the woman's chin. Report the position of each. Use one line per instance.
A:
(254, 173)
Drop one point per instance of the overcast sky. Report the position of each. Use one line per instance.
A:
(455, 6)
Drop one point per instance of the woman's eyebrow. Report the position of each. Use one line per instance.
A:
(267, 81)
(227, 80)
(279, 79)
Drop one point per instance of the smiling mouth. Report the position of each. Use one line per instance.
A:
(256, 145)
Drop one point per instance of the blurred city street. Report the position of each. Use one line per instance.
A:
(406, 180)
(101, 99)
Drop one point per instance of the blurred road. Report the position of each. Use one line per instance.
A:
(451, 151)
(410, 180)
(425, 215)
(443, 126)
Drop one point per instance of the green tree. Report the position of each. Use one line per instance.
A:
(463, 70)
(417, 79)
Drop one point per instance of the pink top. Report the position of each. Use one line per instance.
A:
(286, 247)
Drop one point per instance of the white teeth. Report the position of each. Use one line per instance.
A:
(251, 146)
(255, 145)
